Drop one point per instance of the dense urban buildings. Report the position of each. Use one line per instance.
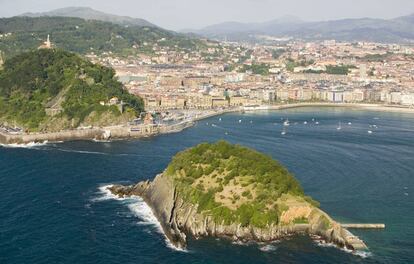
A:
(233, 74)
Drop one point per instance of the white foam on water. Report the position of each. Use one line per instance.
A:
(139, 209)
(359, 253)
(27, 145)
(82, 151)
(101, 141)
(268, 248)
(104, 194)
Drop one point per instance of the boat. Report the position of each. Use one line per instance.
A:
(305, 123)
(369, 132)
(339, 126)
(316, 123)
(286, 123)
(349, 123)
(220, 119)
(240, 121)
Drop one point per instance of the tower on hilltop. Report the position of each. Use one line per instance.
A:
(1, 58)
(47, 44)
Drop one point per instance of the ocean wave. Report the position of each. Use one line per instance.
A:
(139, 208)
(82, 151)
(26, 145)
(359, 253)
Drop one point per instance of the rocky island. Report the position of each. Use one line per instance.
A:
(230, 191)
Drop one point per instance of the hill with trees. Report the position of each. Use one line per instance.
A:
(50, 89)
(22, 34)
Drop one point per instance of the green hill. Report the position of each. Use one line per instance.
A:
(37, 81)
(234, 183)
(84, 36)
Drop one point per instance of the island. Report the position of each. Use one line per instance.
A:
(230, 191)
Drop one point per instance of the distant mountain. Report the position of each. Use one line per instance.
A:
(91, 14)
(365, 29)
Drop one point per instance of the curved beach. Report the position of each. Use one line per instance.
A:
(125, 132)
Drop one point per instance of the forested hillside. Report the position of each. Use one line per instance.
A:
(84, 36)
(32, 82)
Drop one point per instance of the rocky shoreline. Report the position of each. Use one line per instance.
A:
(179, 219)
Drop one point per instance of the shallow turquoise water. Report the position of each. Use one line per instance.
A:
(52, 210)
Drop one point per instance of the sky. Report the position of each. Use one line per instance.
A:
(195, 14)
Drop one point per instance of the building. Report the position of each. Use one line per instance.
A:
(407, 99)
(219, 102)
(238, 101)
(47, 44)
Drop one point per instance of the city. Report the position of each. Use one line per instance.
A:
(193, 131)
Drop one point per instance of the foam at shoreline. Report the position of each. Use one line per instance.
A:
(359, 253)
(139, 208)
(27, 145)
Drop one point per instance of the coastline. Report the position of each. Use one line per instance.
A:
(126, 132)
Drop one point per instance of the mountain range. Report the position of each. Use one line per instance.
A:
(400, 29)
(91, 14)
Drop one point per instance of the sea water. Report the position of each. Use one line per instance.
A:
(54, 207)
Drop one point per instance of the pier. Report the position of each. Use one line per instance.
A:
(364, 226)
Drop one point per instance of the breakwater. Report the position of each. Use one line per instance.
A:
(364, 226)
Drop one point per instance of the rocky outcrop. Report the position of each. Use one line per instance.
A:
(179, 218)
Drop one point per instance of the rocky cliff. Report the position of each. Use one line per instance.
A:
(179, 218)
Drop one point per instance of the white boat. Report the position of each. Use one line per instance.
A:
(305, 123)
(220, 119)
(316, 123)
(349, 123)
(240, 121)
(369, 132)
(283, 133)
(286, 123)
(339, 126)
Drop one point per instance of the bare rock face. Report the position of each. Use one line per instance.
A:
(180, 218)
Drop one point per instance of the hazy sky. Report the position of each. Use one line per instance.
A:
(180, 14)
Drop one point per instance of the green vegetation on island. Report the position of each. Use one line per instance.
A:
(235, 184)
(50, 90)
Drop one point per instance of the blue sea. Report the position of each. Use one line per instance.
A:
(53, 207)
